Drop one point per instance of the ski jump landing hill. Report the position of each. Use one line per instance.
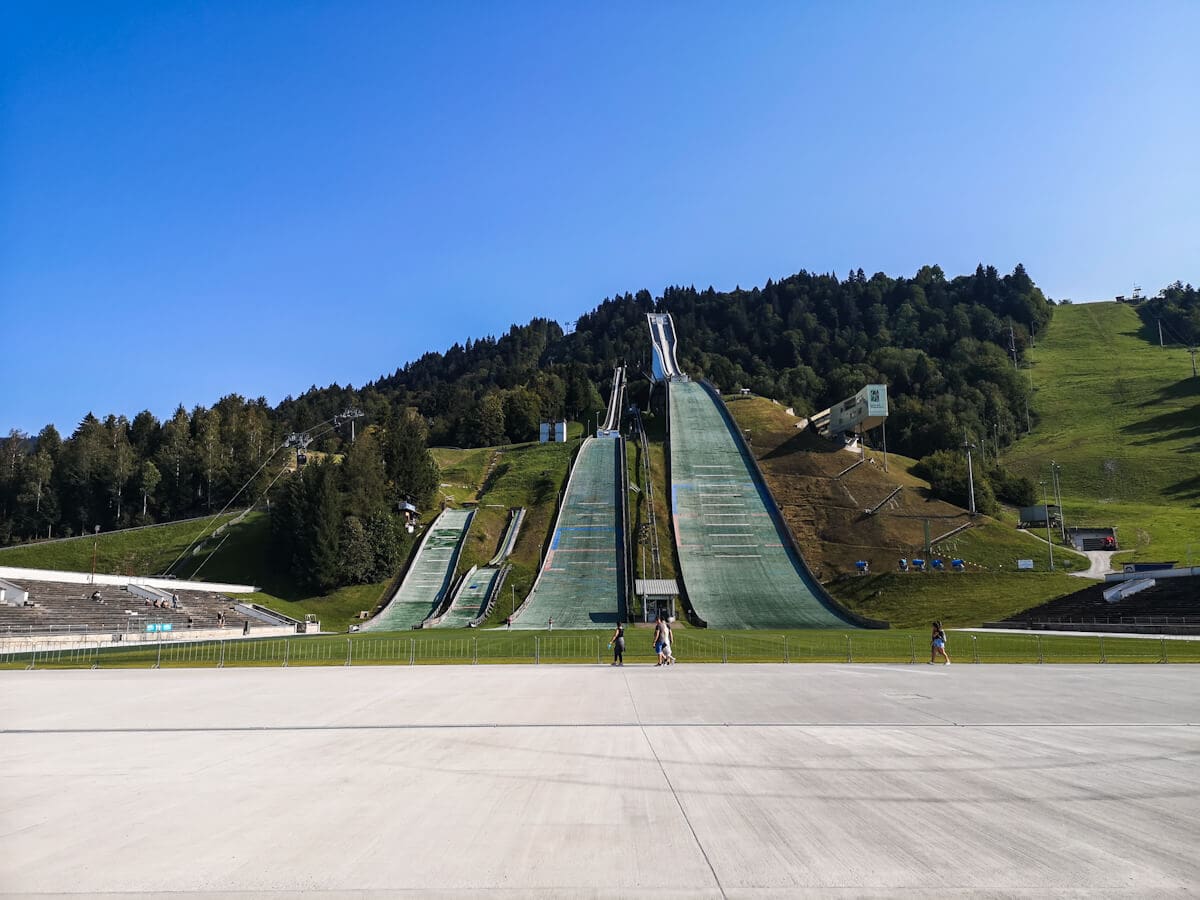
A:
(739, 564)
(427, 581)
(584, 579)
(475, 595)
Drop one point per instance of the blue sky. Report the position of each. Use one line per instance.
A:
(205, 198)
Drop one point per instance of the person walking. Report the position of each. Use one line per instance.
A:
(937, 644)
(659, 640)
(668, 656)
(617, 642)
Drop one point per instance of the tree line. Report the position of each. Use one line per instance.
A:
(950, 350)
(1177, 307)
(116, 473)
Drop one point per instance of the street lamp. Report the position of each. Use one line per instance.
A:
(1055, 471)
(95, 547)
(1046, 509)
(968, 446)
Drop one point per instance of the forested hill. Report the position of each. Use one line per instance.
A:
(808, 340)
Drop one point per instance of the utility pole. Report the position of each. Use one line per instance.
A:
(95, 547)
(1046, 510)
(1012, 341)
(1055, 470)
(1192, 350)
(1160, 339)
(1028, 426)
(968, 446)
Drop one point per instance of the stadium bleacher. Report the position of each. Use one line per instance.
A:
(1169, 603)
(58, 606)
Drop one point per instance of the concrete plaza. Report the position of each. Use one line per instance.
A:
(524, 781)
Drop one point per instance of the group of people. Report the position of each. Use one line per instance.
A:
(662, 643)
(160, 603)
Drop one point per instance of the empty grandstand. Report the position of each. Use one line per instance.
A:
(1123, 604)
(583, 581)
(428, 578)
(738, 565)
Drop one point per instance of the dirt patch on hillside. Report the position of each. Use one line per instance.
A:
(825, 496)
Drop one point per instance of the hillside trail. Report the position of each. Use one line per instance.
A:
(1100, 563)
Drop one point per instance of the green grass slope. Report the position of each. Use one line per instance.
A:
(135, 551)
(1121, 416)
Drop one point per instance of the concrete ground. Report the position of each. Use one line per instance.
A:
(524, 781)
(1099, 563)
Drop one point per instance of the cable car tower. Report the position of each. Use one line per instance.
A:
(349, 414)
(299, 441)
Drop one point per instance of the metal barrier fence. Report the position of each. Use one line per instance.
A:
(584, 648)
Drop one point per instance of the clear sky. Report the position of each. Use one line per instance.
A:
(205, 198)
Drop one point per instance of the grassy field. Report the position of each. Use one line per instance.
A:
(690, 646)
(137, 551)
(462, 472)
(1121, 416)
(910, 600)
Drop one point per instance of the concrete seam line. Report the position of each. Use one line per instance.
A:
(667, 779)
(450, 726)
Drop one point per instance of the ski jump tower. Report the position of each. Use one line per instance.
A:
(665, 365)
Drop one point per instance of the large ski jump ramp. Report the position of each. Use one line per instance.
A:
(737, 567)
(737, 562)
(428, 578)
(582, 580)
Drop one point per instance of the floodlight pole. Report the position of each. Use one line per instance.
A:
(95, 548)
(1046, 509)
(1056, 469)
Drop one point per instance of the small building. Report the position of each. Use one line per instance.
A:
(659, 595)
(1093, 537)
(553, 432)
(1037, 516)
